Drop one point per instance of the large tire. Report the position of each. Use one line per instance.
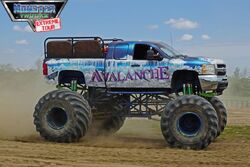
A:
(189, 122)
(108, 117)
(107, 126)
(221, 114)
(62, 116)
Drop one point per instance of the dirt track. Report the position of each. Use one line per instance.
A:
(122, 151)
(139, 143)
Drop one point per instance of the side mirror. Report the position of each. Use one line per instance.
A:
(150, 54)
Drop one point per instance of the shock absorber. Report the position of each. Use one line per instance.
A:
(184, 89)
(73, 85)
(190, 89)
(187, 89)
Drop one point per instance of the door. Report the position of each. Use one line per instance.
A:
(132, 68)
(151, 65)
(117, 67)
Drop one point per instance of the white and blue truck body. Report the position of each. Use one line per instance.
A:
(125, 65)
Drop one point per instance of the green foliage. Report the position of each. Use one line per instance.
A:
(237, 72)
(236, 132)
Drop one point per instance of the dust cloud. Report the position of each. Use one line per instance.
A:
(19, 93)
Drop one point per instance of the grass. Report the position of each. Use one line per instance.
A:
(149, 128)
(242, 132)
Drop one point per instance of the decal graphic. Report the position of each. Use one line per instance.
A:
(160, 73)
(120, 73)
(53, 75)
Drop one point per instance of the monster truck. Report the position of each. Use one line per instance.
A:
(100, 82)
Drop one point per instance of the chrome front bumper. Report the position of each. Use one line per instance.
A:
(213, 82)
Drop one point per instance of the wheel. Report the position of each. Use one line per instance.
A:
(221, 114)
(62, 116)
(108, 116)
(189, 122)
(107, 126)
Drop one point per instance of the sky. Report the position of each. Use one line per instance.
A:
(207, 28)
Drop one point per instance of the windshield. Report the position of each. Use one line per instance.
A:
(168, 49)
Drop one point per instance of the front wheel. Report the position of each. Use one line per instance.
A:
(221, 114)
(189, 122)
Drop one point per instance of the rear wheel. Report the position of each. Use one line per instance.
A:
(62, 116)
(108, 116)
(221, 114)
(189, 122)
(107, 126)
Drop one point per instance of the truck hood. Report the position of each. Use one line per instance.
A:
(205, 60)
(198, 61)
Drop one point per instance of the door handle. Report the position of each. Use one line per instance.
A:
(135, 65)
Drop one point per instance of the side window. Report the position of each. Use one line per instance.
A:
(121, 52)
(146, 52)
(140, 52)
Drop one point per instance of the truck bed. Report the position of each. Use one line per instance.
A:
(73, 48)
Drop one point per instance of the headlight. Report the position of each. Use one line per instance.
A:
(208, 69)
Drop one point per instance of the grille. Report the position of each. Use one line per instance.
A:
(221, 69)
(221, 73)
(221, 65)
